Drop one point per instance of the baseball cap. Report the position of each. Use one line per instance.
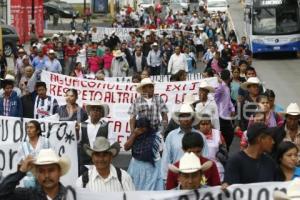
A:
(257, 129)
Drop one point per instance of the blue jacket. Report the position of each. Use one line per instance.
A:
(15, 105)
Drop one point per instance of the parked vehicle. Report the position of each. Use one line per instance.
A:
(10, 39)
(64, 9)
(217, 5)
(179, 5)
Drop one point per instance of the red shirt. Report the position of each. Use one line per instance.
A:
(71, 51)
(212, 175)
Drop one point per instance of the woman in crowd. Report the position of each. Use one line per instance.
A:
(216, 143)
(235, 84)
(287, 158)
(145, 165)
(32, 147)
(78, 72)
(271, 97)
(119, 65)
(72, 111)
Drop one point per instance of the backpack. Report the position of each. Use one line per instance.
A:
(85, 177)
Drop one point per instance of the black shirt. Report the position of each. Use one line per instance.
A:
(242, 169)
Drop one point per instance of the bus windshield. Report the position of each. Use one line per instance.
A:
(278, 20)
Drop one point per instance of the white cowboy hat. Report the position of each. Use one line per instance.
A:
(9, 77)
(73, 31)
(154, 44)
(292, 109)
(47, 157)
(118, 53)
(105, 107)
(55, 36)
(51, 51)
(190, 163)
(250, 81)
(101, 144)
(186, 109)
(145, 81)
(293, 192)
(204, 85)
(189, 99)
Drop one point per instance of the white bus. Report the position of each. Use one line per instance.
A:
(273, 25)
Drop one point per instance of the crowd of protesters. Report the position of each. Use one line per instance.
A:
(192, 150)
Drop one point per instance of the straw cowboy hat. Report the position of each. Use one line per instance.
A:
(105, 107)
(145, 81)
(293, 192)
(101, 144)
(292, 109)
(47, 157)
(190, 163)
(250, 81)
(206, 86)
(186, 109)
(51, 51)
(154, 44)
(118, 53)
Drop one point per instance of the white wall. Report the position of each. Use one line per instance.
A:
(76, 1)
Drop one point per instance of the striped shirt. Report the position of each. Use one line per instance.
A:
(45, 107)
(6, 107)
(110, 184)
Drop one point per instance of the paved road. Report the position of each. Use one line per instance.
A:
(279, 72)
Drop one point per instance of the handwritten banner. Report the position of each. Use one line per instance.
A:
(118, 96)
(257, 191)
(61, 136)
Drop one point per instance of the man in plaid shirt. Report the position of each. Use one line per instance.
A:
(148, 105)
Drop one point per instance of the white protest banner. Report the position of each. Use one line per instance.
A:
(158, 78)
(61, 135)
(257, 191)
(118, 96)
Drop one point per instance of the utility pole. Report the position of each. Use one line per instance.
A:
(32, 17)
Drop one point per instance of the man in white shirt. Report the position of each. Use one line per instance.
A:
(154, 59)
(103, 176)
(177, 62)
(95, 126)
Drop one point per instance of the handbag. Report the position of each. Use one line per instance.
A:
(222, 154)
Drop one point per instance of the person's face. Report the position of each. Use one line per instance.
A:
(250, 73)
(96, 113)
(271, 101)
(205, 126)
(259, 118)
(70, 98)
(144, 74)
(243, 67)
(235, 74)
(290, 158)
(102, 160)
(195, 150)
(203, 94)
(155, 48)
(51, 56)
(292, 121)
(267, 143)
(78, 66)
(264, 104)
(138, 52)
(177, 50)
(190, 181)
(8, 89)
(185, 120)
(31, 130)
(42, 92)
(148, 91)
(253, 89)
(26, 61)
(28, 72)
(48, 176)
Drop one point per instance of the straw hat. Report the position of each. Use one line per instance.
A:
(101, 144)
(105, 107)
(190, 163)
(145, 81)
(51, 51)
(250, 81)
(293, 192)
(204, 85)
(47, 157)
(186, 109)
(118, 53)
(292, 109)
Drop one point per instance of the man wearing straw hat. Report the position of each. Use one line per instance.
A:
(190, 171)
(47, 167)
(94, 127)
(148, 105)
(154, 59)
(103, 176)
(293, 192)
